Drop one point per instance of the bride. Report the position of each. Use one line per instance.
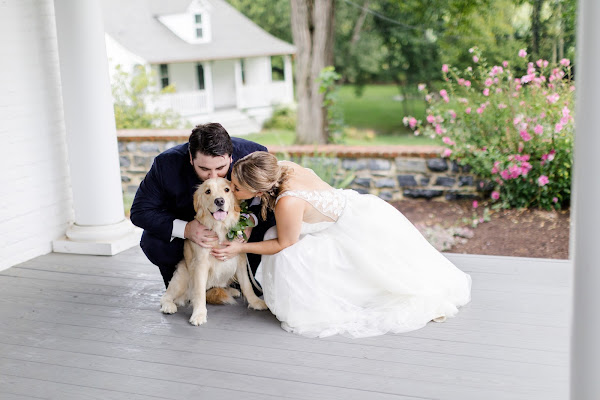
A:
(340, 262)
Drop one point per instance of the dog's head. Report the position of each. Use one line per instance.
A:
(215, 205)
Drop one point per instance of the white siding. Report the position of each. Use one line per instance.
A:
(35, 195)
(223, 79)
(184, 77)
(257, 70)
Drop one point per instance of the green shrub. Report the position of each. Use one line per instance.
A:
(282, 118)
(514, 132)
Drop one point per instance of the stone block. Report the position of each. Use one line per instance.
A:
(485, 186)
(406, 180)
(445, 181)
(364, 182)
(354, 164)
(424, 180)
(141, 161)
(149, 147)
(362, 191)
(376, 164)
(125, 179)
(454, 167)
(411, 165)
(457, 195)
(387, 196)
(385, 183)
(437, 164)
(131, 147)
(124, 161)
(465, 181)
(170, 144)
(422, 193)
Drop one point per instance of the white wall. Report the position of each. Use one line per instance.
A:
(257, 70)
(184, 76)
(35, 196)
(223, 79)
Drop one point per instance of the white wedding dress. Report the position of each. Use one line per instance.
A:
(368, 273)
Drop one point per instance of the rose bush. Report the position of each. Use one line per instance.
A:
(516, 132)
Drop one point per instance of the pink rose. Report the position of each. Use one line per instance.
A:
(538, 130)
(445, 68)
(543, 180)
(565, 62)
(495, 195)
(475, 204)
(522, 53)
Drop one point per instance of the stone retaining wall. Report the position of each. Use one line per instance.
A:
(390, 172)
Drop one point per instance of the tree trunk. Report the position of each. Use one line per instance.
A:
(536, 28)
(359, 24)
(312, 30)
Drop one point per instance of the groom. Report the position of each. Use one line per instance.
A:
(163, 204)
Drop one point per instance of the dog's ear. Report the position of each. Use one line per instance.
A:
(198, 202)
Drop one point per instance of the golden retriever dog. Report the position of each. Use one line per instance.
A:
(217, 209)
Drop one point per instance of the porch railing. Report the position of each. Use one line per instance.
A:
(185, 103)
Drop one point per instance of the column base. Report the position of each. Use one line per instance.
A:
(105, 240)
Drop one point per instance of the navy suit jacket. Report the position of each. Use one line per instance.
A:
(166, 193)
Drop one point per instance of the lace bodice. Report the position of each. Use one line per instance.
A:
(330, 203)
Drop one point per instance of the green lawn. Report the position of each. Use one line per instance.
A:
(375, 118)
(378, 109)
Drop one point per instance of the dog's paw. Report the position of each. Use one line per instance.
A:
(234, 292)
(168, 307)
(440, 319)
(258, 305)
(181, 301)
(198, 318)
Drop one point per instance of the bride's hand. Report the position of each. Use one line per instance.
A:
(227, 251)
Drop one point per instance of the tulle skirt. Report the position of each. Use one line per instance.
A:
(369, 273)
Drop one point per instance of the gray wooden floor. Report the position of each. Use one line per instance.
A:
(89, 327)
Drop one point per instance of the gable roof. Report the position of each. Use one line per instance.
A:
(134, 24)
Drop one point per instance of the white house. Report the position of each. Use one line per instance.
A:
(222, 65)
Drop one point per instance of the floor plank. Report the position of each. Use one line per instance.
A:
(89, 327)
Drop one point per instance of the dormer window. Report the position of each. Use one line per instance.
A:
(199, 26)
(194, 25)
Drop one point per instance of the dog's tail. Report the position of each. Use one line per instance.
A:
(219, 295)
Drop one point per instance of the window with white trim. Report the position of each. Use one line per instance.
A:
(199, 26)
(164, 75)
(200, 73)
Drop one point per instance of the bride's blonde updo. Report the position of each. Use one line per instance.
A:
(260, 172)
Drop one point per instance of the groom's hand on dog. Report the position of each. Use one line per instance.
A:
(199, 234)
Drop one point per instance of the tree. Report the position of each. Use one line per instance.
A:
(271, 15)
(131, 93)
(313, 33)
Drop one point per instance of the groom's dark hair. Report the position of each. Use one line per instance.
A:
(210, 139)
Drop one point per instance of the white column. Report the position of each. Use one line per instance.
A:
(289, 78)
(585, 337)
(100, 226)
(239, 84)
(208, 86)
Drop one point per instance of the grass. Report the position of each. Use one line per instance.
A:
(378, 109)
(373, 119)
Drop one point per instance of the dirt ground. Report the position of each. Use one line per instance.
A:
(518, 233)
